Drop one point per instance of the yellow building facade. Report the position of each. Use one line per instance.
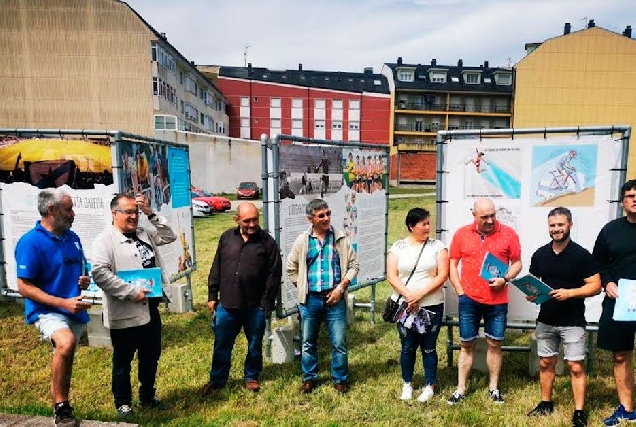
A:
(78, 64)
(584, 78)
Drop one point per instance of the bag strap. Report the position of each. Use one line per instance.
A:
(417, 261)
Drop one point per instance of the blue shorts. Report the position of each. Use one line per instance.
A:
(49, 323)
(472, 312)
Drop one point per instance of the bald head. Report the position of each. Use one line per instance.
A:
(484, 214)
(247, 219)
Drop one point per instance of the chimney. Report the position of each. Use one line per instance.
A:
(368, 70)
(628, 31)
(163, 35)
(460, 63)
(433, 62)
(567, 28)
(399, 61)
(591, 24)
(300, 67)
(486, 65)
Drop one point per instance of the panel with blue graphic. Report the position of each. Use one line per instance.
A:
(179, 177)
(563, 175)
(493, 172)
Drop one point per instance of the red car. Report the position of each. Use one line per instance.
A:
(247, 190)
(218, 203)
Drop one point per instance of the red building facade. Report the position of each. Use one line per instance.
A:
(354, 107)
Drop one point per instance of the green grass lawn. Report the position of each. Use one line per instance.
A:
(374, 369)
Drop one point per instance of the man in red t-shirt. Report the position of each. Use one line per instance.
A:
(478, 298)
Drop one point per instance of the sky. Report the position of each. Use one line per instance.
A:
(349, 35)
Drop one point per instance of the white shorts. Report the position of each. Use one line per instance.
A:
(49, 323)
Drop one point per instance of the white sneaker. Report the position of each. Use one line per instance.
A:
(407, 391)
(427, 393)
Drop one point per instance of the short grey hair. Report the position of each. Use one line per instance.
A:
(315, 205)
(50, 197)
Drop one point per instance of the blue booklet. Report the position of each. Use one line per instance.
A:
(625, 308)
(492, 267)
(149, 278)
(533, 287)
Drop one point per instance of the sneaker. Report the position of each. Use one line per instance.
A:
(427, 393)
(579, 419)
(619, 415)
(495, 396)
(455, 398)
(407, 391)
(153, 403)
(64, 416)
(124, 411)
(543, 408)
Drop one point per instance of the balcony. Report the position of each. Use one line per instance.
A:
(454, 107)
(417, 127)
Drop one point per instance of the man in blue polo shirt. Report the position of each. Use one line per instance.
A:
(50, 262)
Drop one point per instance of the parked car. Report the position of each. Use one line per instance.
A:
(248, 190)
(218, 203)
(201, 208)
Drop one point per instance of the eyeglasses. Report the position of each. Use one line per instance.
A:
(128, 212)
(323, 214)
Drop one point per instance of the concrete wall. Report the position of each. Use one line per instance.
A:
(219, 163)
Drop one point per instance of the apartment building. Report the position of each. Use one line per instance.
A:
(433, 97)
(98, 65)
(330, 105)
(579, 78)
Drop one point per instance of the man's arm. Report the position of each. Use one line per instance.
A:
(604, 260)
(591, 287)
(353, 267)
(214, 277)
(454, 277)
(291, 264)
(74, 305)
(103, 270)
(274, 275)
(163, 234)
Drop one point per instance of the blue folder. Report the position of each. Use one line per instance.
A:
(625, 308)
(492, 267)
(149, 278)
(532, 286)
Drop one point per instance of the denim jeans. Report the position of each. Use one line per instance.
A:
(312, 313)
(427, 342)
(470, 314)
(146, 341)
(226, 325)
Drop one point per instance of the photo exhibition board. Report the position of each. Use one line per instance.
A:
(355, 193)
(526, 178)
(84, 169)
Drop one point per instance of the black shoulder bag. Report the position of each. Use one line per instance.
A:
(391, 307)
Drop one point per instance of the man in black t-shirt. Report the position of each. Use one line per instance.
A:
(615, 253)
(570, 270)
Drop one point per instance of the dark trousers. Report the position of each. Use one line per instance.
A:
(146, 341)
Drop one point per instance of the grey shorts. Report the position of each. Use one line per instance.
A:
(48, 324)
(572, 337)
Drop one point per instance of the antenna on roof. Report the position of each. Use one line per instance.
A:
(245, 55)
(584, 19)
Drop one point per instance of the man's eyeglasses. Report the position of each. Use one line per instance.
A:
(128, 212)
(323, 214)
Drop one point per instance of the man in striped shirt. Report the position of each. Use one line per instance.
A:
(322, 264)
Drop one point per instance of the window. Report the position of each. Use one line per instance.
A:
(171, 122)
(405, 75)
(245, 101)
(190, 85)
(336, 124)
(319, 124)
(337, 104)
(472, 78)
(274, 102)
(319, 103)
(275, 123)
(297, 123)
(297, 103)
(155, 86)
(202, 118)
(354, 125)
(503, 79)
(438, 76)
(354, 104)
(160, 122)
(245, 122)
(191, 112)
